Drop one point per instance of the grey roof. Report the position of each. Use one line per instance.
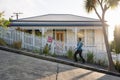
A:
(59, 17)
(56, 20)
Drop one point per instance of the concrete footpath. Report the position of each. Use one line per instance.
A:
(20, 67)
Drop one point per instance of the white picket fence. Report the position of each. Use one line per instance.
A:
(32, 42)
(29, 41)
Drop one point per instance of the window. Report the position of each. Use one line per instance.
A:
(90, 37)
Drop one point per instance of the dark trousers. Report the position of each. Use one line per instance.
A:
(80, 54)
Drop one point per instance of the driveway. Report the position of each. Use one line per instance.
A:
(19, 67)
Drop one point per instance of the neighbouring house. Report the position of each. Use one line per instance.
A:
(66, 28)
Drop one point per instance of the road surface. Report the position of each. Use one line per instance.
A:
(19, 67)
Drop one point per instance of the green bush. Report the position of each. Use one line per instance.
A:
(54, 55)
(90, 57)
(101, 62)
(17, 44)
(117, 66)
(36, 51)
(2, 42)
(46, 49)
(70, 54)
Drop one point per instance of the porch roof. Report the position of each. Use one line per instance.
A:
(55, 23)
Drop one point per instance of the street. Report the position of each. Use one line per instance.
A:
(20, 67)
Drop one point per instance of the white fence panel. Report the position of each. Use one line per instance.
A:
(59, 48)
(38, 43)
(29, 41)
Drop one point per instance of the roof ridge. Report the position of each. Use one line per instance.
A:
(71, 15)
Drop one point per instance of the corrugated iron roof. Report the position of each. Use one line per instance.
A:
(56, 20)
(59, 17)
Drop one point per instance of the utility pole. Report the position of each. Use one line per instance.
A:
(17, 15)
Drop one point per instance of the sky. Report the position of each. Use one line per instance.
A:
(31, 8)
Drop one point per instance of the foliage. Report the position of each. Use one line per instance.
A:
(3, 22)
(54, 55)
(101, 62)
(117, 39)
(46, 49)
(112, 46)
(91, 5)
(20, 29)
(41, 51)
(2, 42)
(70, 54)
(36, 51)
(17, 44)
(38, 33)
(90, 57)
(117, 66)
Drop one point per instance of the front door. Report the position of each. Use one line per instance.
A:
(60, 36)
(60, 39)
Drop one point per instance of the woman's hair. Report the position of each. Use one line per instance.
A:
(80, 39)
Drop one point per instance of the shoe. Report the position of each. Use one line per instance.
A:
(83, 62)
(75, 61)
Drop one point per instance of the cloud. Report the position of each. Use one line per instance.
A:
(39, 7)
(28, 7)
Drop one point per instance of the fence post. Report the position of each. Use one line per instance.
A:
(43, 33)
(52, 47)
(33, 37)
(22, 39)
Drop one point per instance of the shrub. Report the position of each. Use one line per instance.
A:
(101, 62)
(117, 66)
(46, 49)
(36, 51)
(70, 54)
(17, 44)
(90, 57)
(2, 42)
(54, 55)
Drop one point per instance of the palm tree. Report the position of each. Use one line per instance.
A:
(103, 5)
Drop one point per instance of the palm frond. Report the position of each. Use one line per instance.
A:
(113, 3)
(90, 4)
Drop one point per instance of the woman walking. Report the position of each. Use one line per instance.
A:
(79, 51)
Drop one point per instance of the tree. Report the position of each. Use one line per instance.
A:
(117, 39)
(103, 5)
(3, 22)
(112, 46)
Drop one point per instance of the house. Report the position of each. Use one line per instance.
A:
(66, 28)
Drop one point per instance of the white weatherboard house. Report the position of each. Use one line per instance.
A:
(66, 28)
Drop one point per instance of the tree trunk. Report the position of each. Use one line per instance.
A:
(110, 61)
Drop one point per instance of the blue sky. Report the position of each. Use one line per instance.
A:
(40, 7)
